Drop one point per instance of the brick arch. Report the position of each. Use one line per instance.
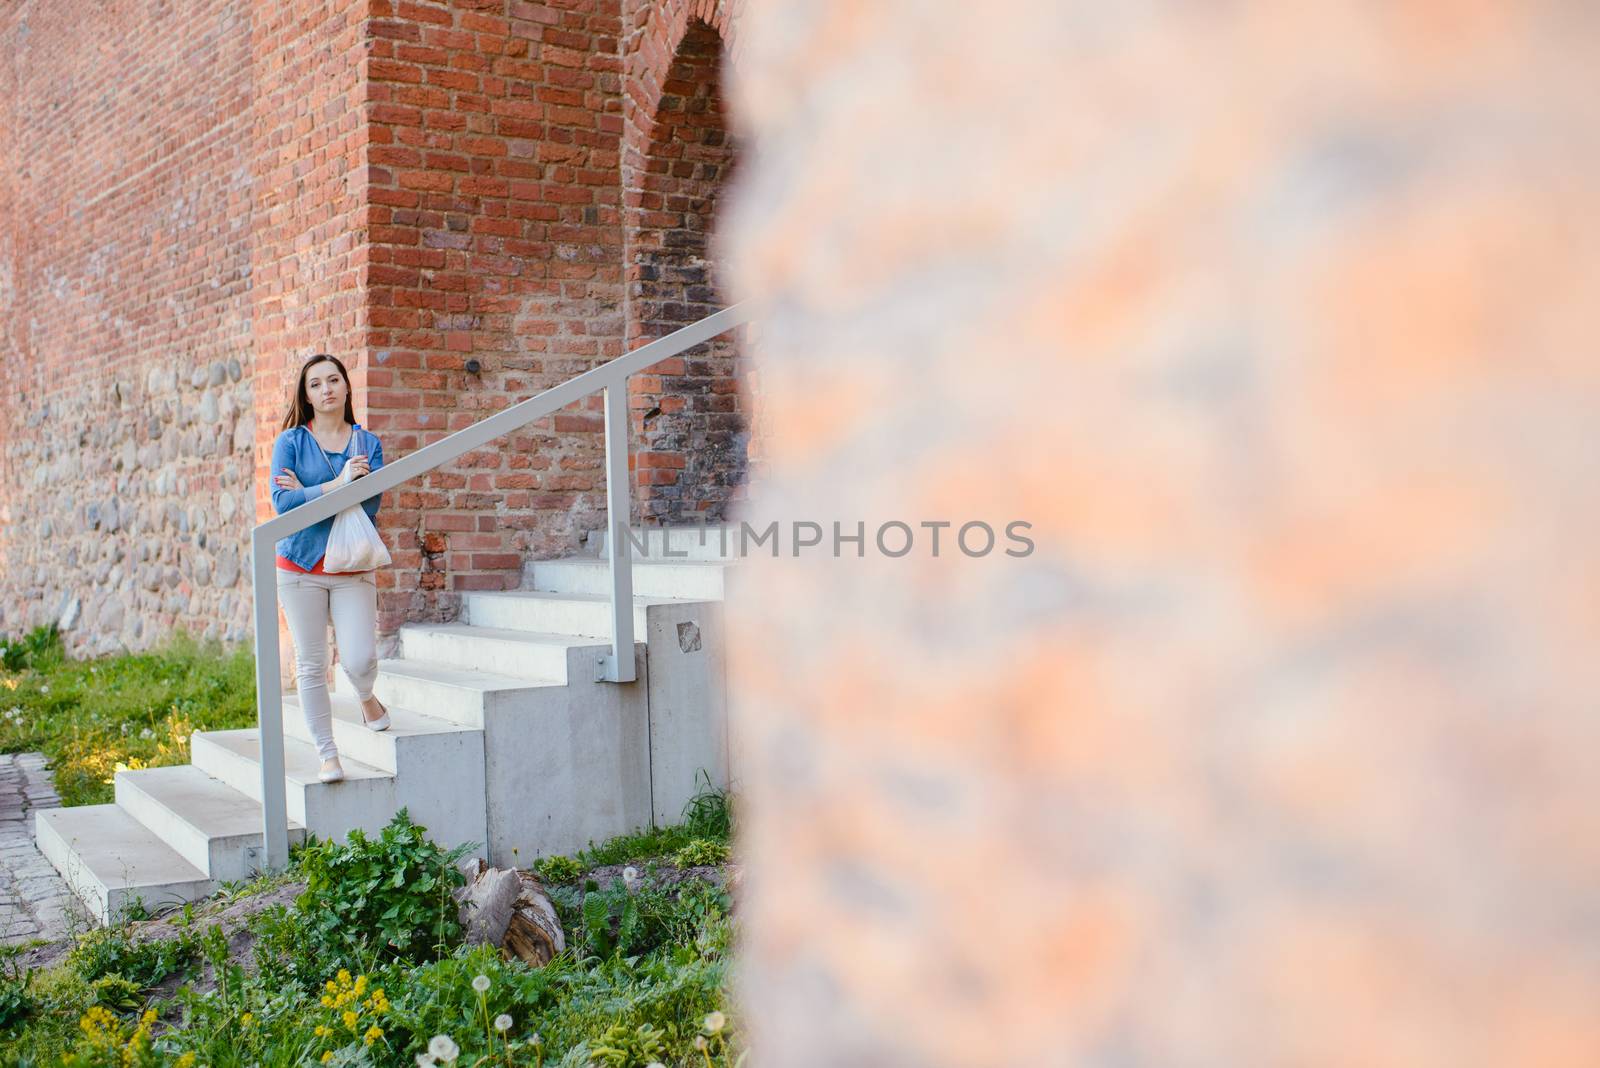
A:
(689, 419)
(655, 34)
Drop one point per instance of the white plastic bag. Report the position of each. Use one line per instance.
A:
(353, 544)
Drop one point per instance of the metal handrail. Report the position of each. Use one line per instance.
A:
(617, 666)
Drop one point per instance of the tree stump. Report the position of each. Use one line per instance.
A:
(509, 909)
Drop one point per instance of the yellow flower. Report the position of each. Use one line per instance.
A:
(327, 1002)
(350, 1019)
(344, 976)
(185, 1061)
(247, 1019)
(328, 1056)
(97, 1019)
(320, 1031)
(361, 985)
(373, 1034)
(329, 987)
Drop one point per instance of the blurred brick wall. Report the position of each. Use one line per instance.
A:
(1276, 321)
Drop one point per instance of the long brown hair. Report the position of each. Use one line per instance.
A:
(300, 410)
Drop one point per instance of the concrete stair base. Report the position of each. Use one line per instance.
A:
(501, 736)
(110, 860)
(214, 827)
(365, 799)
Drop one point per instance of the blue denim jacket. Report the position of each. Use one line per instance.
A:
(300, 452)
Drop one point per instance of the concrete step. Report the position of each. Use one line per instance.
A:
(408, 730)
(446, 692)
(437, 764)
(365, 799)
(211, 825)
(539, 611)
(110, 860)
(516, 653)
(692, 580)
(679, 542)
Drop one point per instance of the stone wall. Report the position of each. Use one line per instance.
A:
(125, 403)
(1277, 322)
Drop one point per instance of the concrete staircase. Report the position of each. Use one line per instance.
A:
(501, 736)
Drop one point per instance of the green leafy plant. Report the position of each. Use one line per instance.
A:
(351, 996)
(40, 648)
(709, 813)
(116, 993)
(616, 919)
(557, 869)
(15, 1003)
(623, 1046)
(394, 889)
(701, 851)
(107, 951)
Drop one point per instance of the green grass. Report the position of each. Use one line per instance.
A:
(707, 816)
(645, 967)
(644, 979)
(137, 710)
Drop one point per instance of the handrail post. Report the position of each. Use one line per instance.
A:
(269, 705)
(618, 666)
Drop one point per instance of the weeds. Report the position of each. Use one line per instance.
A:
(93, 717)
(393, 891)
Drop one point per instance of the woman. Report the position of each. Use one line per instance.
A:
(320, 449)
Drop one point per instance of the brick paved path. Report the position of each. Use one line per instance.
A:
(34, 902)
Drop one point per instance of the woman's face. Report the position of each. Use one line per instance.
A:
(325, 388)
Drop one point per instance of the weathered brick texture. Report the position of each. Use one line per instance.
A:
(125, 318)
(496, 239)
(1277, 321)
(690, 415)
(431, 191)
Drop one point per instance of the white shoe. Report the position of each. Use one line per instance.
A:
(331, 771)
(379, 724)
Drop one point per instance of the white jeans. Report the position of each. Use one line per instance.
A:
(309, 601)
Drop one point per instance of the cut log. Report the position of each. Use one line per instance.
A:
(509, 909)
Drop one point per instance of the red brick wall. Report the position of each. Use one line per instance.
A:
(495, 237)
(125, 318)
(688, 423)
(414, 187)
(308, 258)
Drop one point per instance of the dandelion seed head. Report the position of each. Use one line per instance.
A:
(481, 983)
(502, 1022)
